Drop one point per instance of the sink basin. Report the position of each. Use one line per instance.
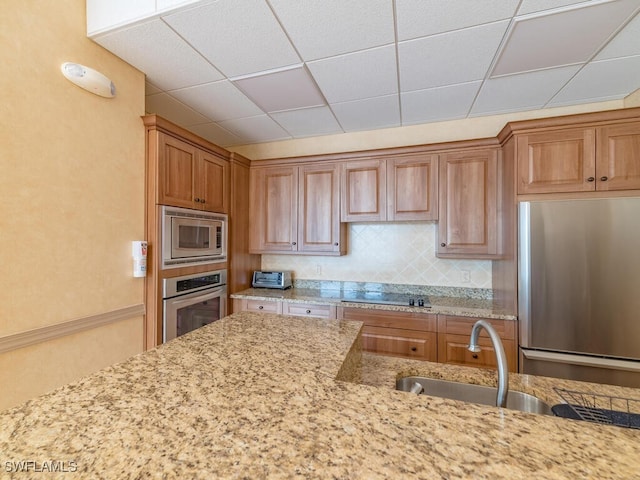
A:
(474, 394)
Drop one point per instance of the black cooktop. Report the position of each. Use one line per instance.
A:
(403, 299)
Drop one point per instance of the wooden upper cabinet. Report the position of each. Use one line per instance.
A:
(583, 159)
(618, 157)
(412, 188)
(468, 222)
(363, 191)
(296, 210)
(558, 161)
(191, 177)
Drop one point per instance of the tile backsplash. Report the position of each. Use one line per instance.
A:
(399, 252)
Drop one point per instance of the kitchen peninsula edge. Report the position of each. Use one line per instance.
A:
(264, 396)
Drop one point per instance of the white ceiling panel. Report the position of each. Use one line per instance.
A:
(238, 37)
(449, 58)
(605, 79)
(436, 104)
(354, 76)
(331, 27)
(579, 31)
(369, 114)
(218, 101)
(216, 134)
(308, 122)
(368, 63)
(163, 56)
(625, 44)
(256, 129)
(525, 91)
(419, 18)
(168, 107)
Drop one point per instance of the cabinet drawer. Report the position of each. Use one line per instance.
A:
(400, 343)
(309, 310)
(453, 349)
(450, 324)
(262, 306)
(425, 322)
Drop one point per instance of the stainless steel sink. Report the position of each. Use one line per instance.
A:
(472, 393)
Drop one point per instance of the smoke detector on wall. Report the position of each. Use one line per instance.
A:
(89, 79)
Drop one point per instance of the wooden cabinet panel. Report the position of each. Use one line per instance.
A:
(559, 161)
(363, 191)
(390, 319)
(469, 204)
(176, 161)
(212, 180)
(274, 201)
(400, 343)
(261, 306)
(412, 188)
(309, 310)
(618, 160)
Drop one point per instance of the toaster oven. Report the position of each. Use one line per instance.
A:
(281, 280)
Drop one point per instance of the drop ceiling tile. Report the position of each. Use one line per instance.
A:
(238, 37)
(284, 89)
(308, 121)
(368, 114)
(332, 27)
(163, 56)
(216, 134)
(604, 79)
(626, 43)
(570, 36)
(531, 6)
(102, 15)
(168, 107)
(218, 101)
(359, 75)
(449, 58)
(441, 103)
(419, 18)
(255, 129)
(525, 91)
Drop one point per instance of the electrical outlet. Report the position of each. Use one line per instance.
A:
(466, 276)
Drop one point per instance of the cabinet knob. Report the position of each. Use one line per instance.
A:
(443, 244)
(293, 243)
(260, 307)
(590, 179)
(336, 244)
(197, 200)
(308, 311)
(604, 179)
(475, 355)
(413, 349)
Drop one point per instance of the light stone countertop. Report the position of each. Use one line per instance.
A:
(272, 396)
(466, 307)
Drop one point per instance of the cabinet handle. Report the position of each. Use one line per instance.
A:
(308, 311)
(475, 355)
(590, 179)
(604, 179)
(336, 244)
(443, 244)
(260, 307)
(293, 243)
(414, 349)
(197, 200)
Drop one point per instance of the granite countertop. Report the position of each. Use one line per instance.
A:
(463, 306)
(273, 396)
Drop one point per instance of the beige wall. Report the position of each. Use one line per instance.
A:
(632, 100)
(72, 191)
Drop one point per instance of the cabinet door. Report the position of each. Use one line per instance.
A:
(212, 183)
(319, 209)
(274, 206)
(176, 161)
(412, 188)
(468, 221)
(560, 161)
(618, 161)
(400, 343)
(363, 193)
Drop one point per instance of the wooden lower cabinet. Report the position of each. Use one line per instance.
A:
(261, 306)
(400, 334)
(453, 337)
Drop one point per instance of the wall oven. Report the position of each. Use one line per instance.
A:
(192, 237)
(193, 301)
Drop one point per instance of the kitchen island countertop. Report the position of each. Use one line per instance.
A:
(272, 396)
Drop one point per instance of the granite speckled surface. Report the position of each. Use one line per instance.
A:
(272, 396)
(463, 306)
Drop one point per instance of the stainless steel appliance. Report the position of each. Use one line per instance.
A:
(192, 237)
(281, 280)
(193, 301)
(579, 289)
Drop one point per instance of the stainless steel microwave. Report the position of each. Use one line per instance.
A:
(192, 237)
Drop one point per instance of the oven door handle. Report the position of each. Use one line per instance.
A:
(180, 299)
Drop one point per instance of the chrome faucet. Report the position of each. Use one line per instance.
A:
(501, 358)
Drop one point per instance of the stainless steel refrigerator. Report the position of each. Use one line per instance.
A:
(579, 289)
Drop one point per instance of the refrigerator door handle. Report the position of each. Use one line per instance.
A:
(556, 357)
